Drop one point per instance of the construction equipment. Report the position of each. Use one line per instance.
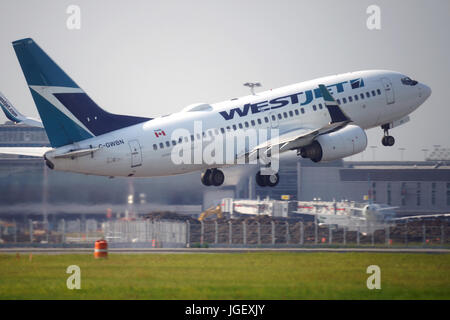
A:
(217, 210)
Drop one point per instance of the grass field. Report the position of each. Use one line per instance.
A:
(227, 276)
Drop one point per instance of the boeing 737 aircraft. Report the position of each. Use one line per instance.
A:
(322, 119)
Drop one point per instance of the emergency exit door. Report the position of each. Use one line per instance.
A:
(136, 154)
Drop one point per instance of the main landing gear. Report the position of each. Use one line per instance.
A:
(267, 180)
(213, 177)
(387, 141)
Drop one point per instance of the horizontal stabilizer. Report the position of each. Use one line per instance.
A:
(25, 151)
(76, 153)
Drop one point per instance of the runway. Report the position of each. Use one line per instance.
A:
(219, 250)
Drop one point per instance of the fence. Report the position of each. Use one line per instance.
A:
(254, 233)
(239, 232)
(158, 233)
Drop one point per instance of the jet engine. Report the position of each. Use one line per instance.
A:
(345, 142)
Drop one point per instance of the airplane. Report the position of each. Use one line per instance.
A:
(15, 116)
(322, 119)
(376, 212)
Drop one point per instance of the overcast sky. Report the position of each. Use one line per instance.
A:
(149, 58)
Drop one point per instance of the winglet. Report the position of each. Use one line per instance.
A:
(336, 113)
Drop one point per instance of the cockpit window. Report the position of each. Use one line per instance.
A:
(408, 81)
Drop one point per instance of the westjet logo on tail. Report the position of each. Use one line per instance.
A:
(306, 97)
(8, 107)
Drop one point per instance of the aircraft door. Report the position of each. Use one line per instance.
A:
(136, 153)
(389, 90)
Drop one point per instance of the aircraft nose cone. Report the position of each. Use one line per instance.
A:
(425, 91)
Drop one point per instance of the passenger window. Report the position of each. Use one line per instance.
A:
(344, 100)
(285, 114)
(279, 116)
(234, 127)
(174, 142)
(266, 119)
(338, 101)
(168, 143)
(356, 97)
(252, 122)
(155, 147)
(161, 145)
(246, 124)
(259, 121)
(314, 107)
(373, 93)
(302, 110)
(368, 94)
(222, 130)
(192, 137)
(291, 113)
(362, 96)
(350, 99)
(320, 106)
(273, 117)
(186, 139)
(296, 112)
(240, 125)
(180, 140)
(378, 91)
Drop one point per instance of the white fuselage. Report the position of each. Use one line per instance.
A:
(370, 98)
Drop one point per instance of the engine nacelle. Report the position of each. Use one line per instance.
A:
(345, 142)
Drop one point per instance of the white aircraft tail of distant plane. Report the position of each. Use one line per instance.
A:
(322, 119)
(15, 116)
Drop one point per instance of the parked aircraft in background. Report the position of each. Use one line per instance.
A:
(15, 116)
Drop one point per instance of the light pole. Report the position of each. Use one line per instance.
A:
(373, 152)
(401, 153)
(425, 154)
(252, 85)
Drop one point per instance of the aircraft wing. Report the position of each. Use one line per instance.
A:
(25, 151)
(40, 152)
(439, 215)
(301, 137)
(387, 208)
(14, 115)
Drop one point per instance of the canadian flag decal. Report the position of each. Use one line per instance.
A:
(159, 133)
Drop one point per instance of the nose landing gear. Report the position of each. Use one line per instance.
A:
(387, 140)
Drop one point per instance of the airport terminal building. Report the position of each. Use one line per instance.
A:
(29, 187)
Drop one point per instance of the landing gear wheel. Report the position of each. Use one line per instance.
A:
(260, 179)
(216, 177)
(273, 180)
(388, 141)
(267, 180)
(205, 178)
